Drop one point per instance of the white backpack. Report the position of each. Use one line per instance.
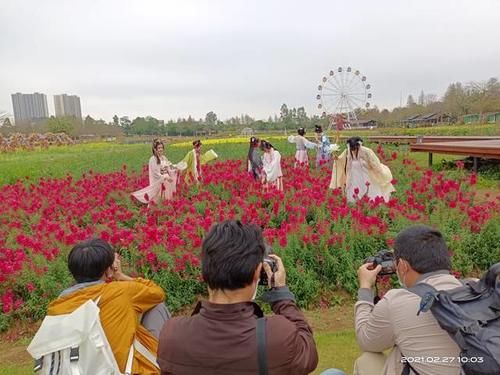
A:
(75, 344)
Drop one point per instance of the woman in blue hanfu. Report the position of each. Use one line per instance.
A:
(324, 152)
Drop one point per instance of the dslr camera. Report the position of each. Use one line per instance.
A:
(264, 280)
(386, 259)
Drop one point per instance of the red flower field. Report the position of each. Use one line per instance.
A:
(321, 238)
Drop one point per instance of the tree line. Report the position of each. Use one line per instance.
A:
(459, 99)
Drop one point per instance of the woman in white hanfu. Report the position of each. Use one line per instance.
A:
(302, 144)
(359, 172)
(271, 160)
(162, 177)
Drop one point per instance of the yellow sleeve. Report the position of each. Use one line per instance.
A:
(144, 294)
(338, 171)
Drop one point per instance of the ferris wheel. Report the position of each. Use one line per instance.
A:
(341, 93)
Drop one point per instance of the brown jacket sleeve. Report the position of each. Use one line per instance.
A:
(304, 353)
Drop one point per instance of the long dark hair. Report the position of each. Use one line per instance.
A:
(254, 141)
(354, 144)
(265, 145)
(156, 143)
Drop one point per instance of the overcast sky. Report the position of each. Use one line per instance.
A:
(171, 59)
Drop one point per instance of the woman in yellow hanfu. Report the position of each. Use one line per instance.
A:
(359, 172)
(194, 160)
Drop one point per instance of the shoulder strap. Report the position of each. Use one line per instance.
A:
(408, 369)
(427, 293)
(261, 345)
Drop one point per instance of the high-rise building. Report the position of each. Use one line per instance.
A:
(29, 107)
(68, 105)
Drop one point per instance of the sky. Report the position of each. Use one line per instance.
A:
(171, 59)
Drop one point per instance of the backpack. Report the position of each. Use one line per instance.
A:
(471, 315)
(76, 344)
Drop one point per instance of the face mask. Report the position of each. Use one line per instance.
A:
(256, 288)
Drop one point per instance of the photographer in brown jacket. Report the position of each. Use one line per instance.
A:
(221, 336)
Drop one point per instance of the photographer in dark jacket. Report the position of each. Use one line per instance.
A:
(221, 335)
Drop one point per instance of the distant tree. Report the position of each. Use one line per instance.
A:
(89, 121)
(116, 120)
(410, 102)
(485, 96)
(421, 98)
(126, 124)
(211, 118)
(60, 125)
(430, 98)
(457, 100)
(301, 115)
(284, 112)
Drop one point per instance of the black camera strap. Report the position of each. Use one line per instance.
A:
(261, 345)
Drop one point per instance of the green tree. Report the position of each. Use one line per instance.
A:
(284, 112)
(211, 118)
(126, 124)
(60, 125)
(116, 120)
(457, 100)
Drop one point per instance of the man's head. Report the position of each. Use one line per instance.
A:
(232, 255)
(420, 249)
(89, 260)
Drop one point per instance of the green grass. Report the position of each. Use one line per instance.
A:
(336, 350)
(17, 370)
(108, 157)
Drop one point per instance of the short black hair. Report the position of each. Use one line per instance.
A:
(424, 248)
(301, 131)
(88, 260)
(230, 254)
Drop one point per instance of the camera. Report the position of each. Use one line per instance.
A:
(386, 259)
(272, 264)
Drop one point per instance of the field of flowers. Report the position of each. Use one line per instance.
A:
(321, 238)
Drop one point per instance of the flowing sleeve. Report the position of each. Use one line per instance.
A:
(154, 170)
(272, 167)
(189, 163)
(208, 156)
(378, 171)
(310, 145)
(338, 171)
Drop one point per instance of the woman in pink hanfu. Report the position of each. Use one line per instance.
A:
(271, 160)
(162, 177)
(302, 144)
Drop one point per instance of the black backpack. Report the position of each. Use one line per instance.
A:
(471, 315)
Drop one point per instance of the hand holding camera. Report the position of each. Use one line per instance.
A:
(379, 265)
(273, 272)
